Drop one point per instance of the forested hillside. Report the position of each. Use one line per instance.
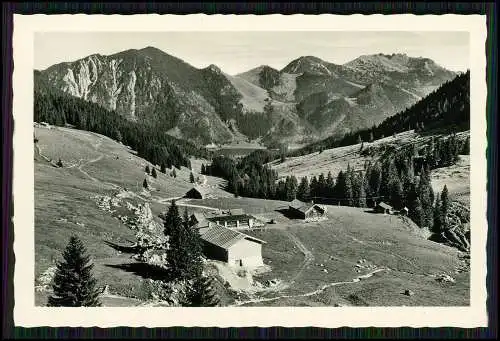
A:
(148, 140)
(446, 109)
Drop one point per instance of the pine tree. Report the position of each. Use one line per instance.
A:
(153, 173)
(438, 217)
(184, 253)
(163, 169)
(201, 294)
(445, 207)
(145, 184)
(147, 170)
(321, 185)
(330, 185)
(303, 189)
(74, 284)
(191, 177)
(313, 187)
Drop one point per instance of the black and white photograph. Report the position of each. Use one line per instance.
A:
(254, 168)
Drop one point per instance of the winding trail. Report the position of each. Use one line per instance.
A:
(308, 256)
(312, 293)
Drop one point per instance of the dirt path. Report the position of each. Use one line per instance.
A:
(308, 256)
(312, 293)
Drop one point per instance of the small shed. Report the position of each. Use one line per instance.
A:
(306, 211)
(197, 192)
(382, 207)
(232, 247)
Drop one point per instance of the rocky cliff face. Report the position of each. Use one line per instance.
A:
(307, 97)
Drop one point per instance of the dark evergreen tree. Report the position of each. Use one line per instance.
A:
(74, 284)
(201, 293)
(147, 170)
(321, 185)
(153, 173)
(203, 169)
(163, 169)
(191, 177)
(145, 184)
(303, 189)
(329, 186)
(313, 187)
(438, 216)
(185, 248)
(445, 208)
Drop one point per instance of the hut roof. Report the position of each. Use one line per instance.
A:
(200, 189)
(231, 217)
(225, 238)
(384, 205)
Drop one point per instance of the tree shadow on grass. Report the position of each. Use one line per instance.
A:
(287, 213)
(144, 270)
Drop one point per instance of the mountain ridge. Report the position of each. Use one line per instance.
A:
(205, 104)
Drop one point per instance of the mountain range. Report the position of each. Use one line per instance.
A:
(306, 100)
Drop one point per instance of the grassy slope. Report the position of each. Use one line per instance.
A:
(63, 200)
(349, 235)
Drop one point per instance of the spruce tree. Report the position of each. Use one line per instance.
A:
(313, 187)
(74, 284)
(153, 173)
(445, 207)
(438, 221)
(321, 185)
(303, 189)
(191, 177)
(163, 169)
(147, 170)
(184, 253)
(201, 294)
(145, 184)
(329, 186)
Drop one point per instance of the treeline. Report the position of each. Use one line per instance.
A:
(446, 108)
(249, 177)
(150, 142)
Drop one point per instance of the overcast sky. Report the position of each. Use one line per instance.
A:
(236, 52)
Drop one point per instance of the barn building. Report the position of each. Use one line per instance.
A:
(306, 211)
(197, 192)
(382, 207)
(232, 247)
(238, 221)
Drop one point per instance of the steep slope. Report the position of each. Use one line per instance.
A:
(208, 106)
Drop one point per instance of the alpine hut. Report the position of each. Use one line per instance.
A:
(232, 247)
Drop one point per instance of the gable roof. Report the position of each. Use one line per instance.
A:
(200, 189)
(304, 207)
(236, 211)
(384, 205)
(222, 218)
(225, 238)
(296, 203)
